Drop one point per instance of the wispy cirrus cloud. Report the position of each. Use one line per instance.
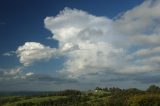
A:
(3, 23)
(12, 73)
(11, 53)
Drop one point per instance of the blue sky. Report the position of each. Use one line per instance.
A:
(54, 44)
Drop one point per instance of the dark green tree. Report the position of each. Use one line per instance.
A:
(153, 88)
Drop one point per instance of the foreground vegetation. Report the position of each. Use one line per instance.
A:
(98, 97)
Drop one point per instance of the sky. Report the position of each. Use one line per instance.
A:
(50, 45)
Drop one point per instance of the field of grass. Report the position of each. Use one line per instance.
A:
(33, 100)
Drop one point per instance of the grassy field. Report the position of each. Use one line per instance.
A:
(33, 100)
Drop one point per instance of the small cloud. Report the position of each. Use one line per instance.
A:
(29, 74)
(2, 23)
(11, 53)
(49, 38)
(10, 73)
(31, 52)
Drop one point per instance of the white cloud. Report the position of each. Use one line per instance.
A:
(33, 51)
(147, 52)
(140, 25)
(2, 23)
(29, 74)
(11, 53)
(94, 44)
(74, 25)
(140, 19)
(12, 73)
(146, 39)
(154, 60)
(86, 41)
(134, 69)
(7, 54)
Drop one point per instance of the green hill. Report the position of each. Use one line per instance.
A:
(98, 97)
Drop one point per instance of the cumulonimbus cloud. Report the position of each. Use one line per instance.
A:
(94, 44)
(90, 38)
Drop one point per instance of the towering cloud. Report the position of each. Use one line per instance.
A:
(95, 46)
(90, 38)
